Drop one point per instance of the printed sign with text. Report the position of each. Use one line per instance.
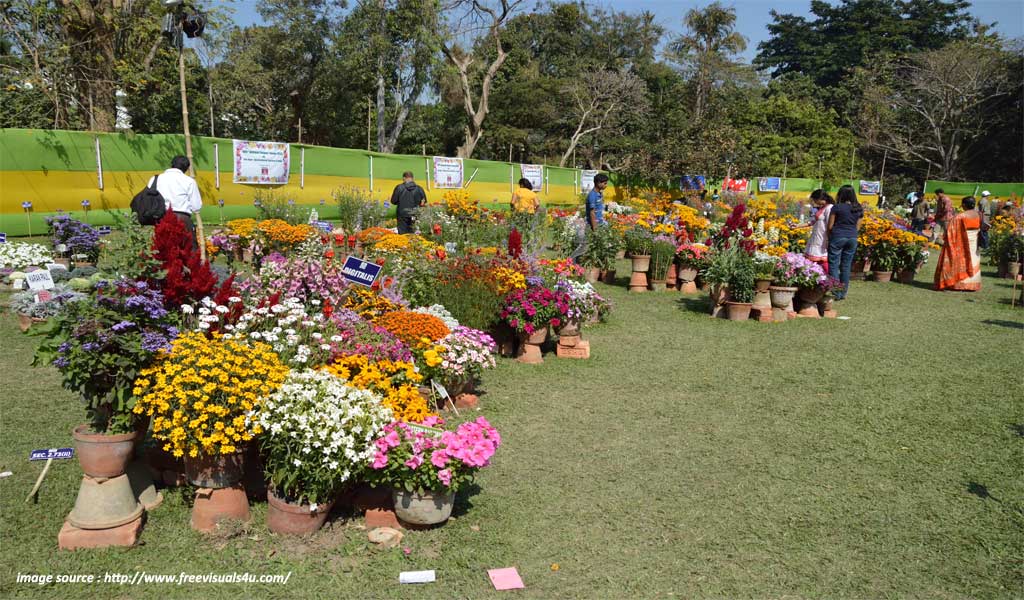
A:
(360, 271)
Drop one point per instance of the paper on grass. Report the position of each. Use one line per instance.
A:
(416, 576)
(505, 579)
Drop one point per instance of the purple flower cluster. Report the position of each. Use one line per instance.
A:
(797, 270)
(79, 237)
(307, 280)
(358, 336)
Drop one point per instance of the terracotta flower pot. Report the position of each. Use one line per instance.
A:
(105, 503)
(882, 276)
(213, 505)
(811, 295)
(738, 311)
(1012, 269)
(537, 337)
(592, 274)
(608, 277)
(762, 285)
(859, 269)
(102, 455)
(569, 329)
(656, 285)
(907, 275)
(686, 273)
(430, 508)
(641, 264)
(719, 293)
(214, 472)
(295, 519)
(782, 296)
(638, 281)
(671, 276)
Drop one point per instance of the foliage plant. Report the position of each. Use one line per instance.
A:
(602, 244)
(100, 344)
(638, 241)
(24, 303)
(200, 393)
(741, 278)
(663, 252)
(77, 237)
(129, 253)
(431, 459)
(317, 435)
(271, 205)
(353, 207)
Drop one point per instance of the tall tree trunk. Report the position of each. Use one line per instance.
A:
(90, 27)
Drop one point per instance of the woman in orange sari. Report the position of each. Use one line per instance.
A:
(959, 266)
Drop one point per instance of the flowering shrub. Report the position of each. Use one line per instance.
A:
(318, 433)
(798, 271)
(421, 460)
(466, 353)
(440, 312)
(100, 344)
(535, 308)
(187, 278)
(457, 204)
(691, 254)
(20, 255)
(79, 238)
(357, 336)
(411, 327)
(395, 381)
(583, 301)
(200, 393)
(300, 338)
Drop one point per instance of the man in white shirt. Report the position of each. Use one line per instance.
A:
(180, 192)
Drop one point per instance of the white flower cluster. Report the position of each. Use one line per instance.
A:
(319, 423)
(19, 255)
(439, 311)
(289, 329)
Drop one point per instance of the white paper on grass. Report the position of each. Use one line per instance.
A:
(416, 576)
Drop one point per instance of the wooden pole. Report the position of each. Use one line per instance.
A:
(881, 178)
(369, 118)
(200, 238)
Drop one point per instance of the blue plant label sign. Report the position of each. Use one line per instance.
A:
(3, 238)
(360, 271)
(324, 226)
(104, 229)
(52, 453)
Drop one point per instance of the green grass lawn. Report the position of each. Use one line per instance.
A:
(876, 457)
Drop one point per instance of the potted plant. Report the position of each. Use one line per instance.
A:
(789, 275)
(425, 466)
(530, 312)
(31, 308)
(884, 259)
(663, 251)
(198, 397)
(638, 242)
(80, 240)
(1013, 250)
(584, 305)
(691, 259)
(599, 253)
(741, 287)
(317, 436)
(717, 271)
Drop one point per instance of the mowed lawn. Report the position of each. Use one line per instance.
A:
(875, 457)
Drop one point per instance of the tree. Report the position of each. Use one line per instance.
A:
(494, 17)
(705, 51)
(601, 101)
(397, 42)
(934, 106)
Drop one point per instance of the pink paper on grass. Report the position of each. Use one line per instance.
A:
(505, 579)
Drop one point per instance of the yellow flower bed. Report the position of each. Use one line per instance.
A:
(509, 279)
(367, 303)
(395, 381)
(199, 393)
(458, 204)
(243, 228)
(281, 232)
(761, 209)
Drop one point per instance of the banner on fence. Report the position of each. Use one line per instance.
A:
(735, 185)
(587, 180)
(769, 184)
(261, 162)
(535, 173)
(448, 172)
(870, 188)
(692, 183)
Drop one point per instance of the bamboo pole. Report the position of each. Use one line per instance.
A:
(200, 238)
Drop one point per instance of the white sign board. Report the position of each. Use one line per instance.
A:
(587, 180)
(535, 173)
(39, 280)
(448, 172)
(52, 266)
(261, 162)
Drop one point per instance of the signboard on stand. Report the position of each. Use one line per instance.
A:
(870, 188)
(263, 163)
(535, 173)
(769, 184)
(360, 272)
(587, 180)
(39, 280)
(735, 185)
(692, 183)
(448, 172)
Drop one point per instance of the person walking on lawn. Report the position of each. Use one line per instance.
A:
(408, 197)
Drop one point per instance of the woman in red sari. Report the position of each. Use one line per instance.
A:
(959, 266)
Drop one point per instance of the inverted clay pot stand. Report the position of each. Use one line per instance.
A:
(529, 347)
(638, 279)
(220, 494)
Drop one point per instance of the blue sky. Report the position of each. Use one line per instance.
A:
(752, 15)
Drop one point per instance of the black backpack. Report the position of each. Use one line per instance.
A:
(148, 205)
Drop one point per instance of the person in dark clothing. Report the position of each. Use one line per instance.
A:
(843, 227)
(408, 197)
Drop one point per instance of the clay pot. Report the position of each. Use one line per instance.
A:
(212, 506)
(295, 519)
(738, 311)
(671, 276)
(656, 285)
(859, 269)
(638, 281)
(538, 337)
(529, 346)
(689, 287)
(102, 455)
(63, 261)
(1012, 269)
(782, 296)
(214, 472)
(570, 329)
(592, 274)
(882, 276)
(907, 276)
(811, 295)
(608, 277)
(430, 508)
(641, 264)
(762, 285)
(105, 503)
(686, 273)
